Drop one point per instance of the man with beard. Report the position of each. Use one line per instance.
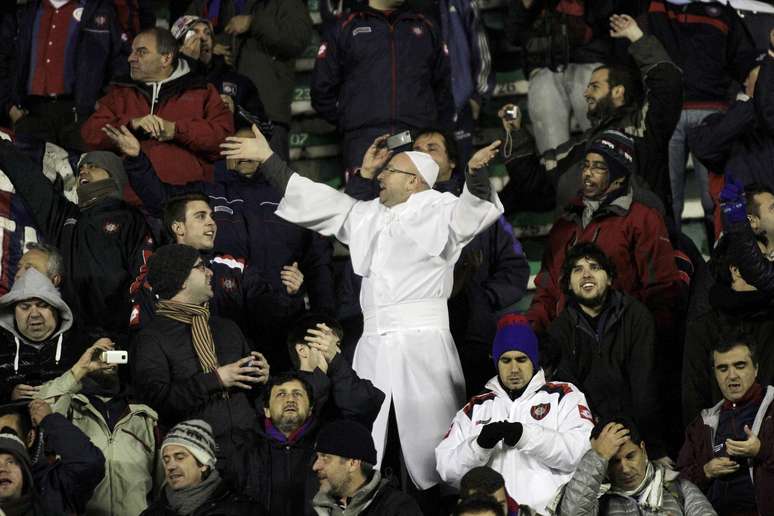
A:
(349, 484)
(90, 395)
(604, 343)
(734, 306)
(531, 431)
(273, 466)
(630, 233)
(615, 101)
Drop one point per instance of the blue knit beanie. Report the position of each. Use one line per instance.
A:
(515, 334)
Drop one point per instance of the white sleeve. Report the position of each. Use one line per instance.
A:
(459, 452)
(469, 216)
(563, 448)
(318, 207)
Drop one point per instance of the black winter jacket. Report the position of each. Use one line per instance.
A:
(709, 42)
(100, 53)
(740, 141)
(731, 312)
(613, 365)
(223, 502)
(66, 466)
(374, 70)
(104, 246)
(278, 475)
(536, 187)
(169, 378)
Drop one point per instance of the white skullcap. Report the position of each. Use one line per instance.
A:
(427, 168)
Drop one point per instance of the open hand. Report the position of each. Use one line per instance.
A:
(123, 138)
(720, 466)
(624, 26)
(262, 364)
(151, 124)
(747, 448)
(254, 149)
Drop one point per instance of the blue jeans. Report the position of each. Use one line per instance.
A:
(678, 157)
(552, 98)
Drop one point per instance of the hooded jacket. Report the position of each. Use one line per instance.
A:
(556, 427)
(614, 363)
(23, 361)
(202, 122)
(104, 247)
(633, 236)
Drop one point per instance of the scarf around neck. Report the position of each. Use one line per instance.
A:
(650, 493)
(187, 500)
(197, 317)
(90, 193)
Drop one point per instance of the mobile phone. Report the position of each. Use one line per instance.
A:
(190, 34)
(399, 140)
(114, 357)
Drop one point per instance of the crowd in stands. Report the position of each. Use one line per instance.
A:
(190, 325)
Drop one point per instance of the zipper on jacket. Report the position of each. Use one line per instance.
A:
(394, 96)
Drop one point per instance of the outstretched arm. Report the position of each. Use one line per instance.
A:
(311, 205)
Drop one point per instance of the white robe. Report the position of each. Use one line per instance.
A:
(406, 256)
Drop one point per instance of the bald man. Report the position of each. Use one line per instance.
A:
(404, 245)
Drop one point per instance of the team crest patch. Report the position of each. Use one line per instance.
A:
(418, 31)
(585, 413)
(228, 284)
(110, 228)
(540, 411)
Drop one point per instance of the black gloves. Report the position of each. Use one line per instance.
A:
(492, 433)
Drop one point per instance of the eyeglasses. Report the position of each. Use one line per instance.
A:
(396, 171)
(596, 167)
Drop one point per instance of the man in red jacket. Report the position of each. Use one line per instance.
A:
(632, 234)
(729, 448)
(179, 117)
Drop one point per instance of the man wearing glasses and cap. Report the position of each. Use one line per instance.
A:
(404, 246)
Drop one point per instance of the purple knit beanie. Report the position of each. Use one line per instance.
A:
(515, 334)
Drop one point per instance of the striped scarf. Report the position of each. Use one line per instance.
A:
(198, 318)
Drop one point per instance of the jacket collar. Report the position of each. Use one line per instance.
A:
(360, 501)
(612, 312)
(535, 384)
(618, 206)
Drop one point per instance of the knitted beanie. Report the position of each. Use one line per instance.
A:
(195, 435)
(347, 439)
(169, 267)
(515, 334)
(617, 149)
(183, 24)
(109, 161)
(11, 444)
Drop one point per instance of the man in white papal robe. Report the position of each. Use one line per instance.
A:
(404, 245)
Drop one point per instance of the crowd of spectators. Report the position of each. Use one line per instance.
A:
(189, 326)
